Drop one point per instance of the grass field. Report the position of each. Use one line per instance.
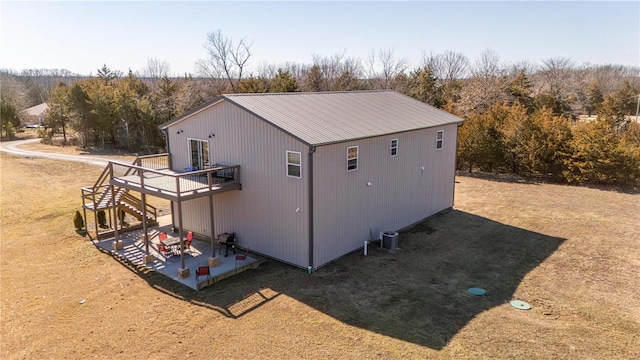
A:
(570, 252)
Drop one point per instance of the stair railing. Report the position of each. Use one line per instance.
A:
(137, 203)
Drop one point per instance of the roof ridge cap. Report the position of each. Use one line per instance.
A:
(308, 93)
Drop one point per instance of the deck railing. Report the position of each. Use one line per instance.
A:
(155, 161)
(175, 184)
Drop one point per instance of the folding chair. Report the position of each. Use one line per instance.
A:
(165, 251)
(242, 257)
(187, 242)
(202, 270)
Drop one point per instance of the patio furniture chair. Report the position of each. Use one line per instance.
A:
(203, 270)
(162, 236)
(187, 242)
(242, 257)
(165, 251)
(228, 240)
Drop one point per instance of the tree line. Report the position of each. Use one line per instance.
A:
(522, 118)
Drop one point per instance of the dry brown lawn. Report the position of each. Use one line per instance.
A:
(571, 252)
(74, 150)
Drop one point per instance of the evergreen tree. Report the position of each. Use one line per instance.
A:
(283, 82)
(106, 74)
(594, 98)
(424, 86)
(480, 143)
(9, 119)
(58, 117)
(254, 85)
(314, 80)
(347, 81)
(520, 90)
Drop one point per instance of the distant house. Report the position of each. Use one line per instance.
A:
(34, 116)
(319, 172)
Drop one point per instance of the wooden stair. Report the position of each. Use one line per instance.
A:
(100, 196)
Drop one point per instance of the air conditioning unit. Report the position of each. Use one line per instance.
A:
(389, 240)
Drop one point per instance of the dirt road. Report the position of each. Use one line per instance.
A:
(13, 147)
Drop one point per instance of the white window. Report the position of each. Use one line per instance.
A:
(294, 164)
(394, 147)
(199, 150)
(439, 139)
(352, 158)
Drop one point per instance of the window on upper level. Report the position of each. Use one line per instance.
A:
(294, 164)
(352, 158)
(439, 139)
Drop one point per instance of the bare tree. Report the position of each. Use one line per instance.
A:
(556, 73)
(431, 61)
(330, 69)
(610, 77)
(524, 66)
(453, 66)
(487, 65)
(225, 59)
(383, 67)
(486, 86)
(13, 91)
(350, 75)
(156, 69)
(392, 66)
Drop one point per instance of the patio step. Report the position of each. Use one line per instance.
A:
(217, 278)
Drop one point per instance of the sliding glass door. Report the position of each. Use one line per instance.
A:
(199, 150)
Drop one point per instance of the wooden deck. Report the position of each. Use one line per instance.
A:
(176, 186)
(151, 175)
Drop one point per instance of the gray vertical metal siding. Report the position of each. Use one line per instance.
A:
(263, 214)
(345, 208)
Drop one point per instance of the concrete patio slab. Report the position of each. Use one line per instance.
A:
(134, 250)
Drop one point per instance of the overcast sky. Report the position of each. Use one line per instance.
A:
(82, 36)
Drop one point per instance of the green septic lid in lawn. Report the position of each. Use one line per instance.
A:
(476, 291)
(519, 304)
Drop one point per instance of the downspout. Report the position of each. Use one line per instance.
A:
(312, 149)
(170, 164)
(455, 163)
(168, 147)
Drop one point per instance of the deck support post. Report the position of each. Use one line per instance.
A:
(117, 245)
(143, 199)
(182, 272)
(86, 226)
(148, 258)
(95, 218)
(213, 232)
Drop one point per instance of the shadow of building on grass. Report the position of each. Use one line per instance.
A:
(416, 294)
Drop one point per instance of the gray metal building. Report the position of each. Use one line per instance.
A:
(320, 172)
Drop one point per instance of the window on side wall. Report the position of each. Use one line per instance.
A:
(352, 158)
(294, 164)
(439, 139)
(394, 147)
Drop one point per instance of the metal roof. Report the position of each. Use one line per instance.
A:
(322, 118)
(37, 110)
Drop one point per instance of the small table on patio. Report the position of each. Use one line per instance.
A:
(173, 243)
